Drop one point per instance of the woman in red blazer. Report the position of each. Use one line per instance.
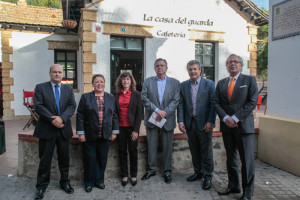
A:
(129, 110)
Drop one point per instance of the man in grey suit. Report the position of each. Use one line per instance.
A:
(160, 94)
(196, 117)
(236, 98)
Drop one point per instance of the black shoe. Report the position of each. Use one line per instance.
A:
(88, 189)
(124, 183)
(40, 194)
(67, 188)
(133, 183)
(194, 177)
(245, 198)
(229, 191)
(101, 186)
(168, 179)
(147, 176)
(206, 184)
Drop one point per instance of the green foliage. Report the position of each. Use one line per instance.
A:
(42, 3)
(262, 51)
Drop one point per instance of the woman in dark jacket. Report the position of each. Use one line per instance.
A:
(129, 109)
(97, 125)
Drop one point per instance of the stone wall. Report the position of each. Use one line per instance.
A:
(28, 157)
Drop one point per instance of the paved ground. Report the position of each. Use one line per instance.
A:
(270, 182)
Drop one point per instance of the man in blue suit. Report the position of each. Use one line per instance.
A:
(196, 117)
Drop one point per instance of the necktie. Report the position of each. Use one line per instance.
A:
(230, 88)
(57, 99)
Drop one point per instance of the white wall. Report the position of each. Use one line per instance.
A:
(0, 47)
(32, 60)
(177, 51)
(283, 74)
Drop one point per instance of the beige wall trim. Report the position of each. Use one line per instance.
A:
(87, 38)
(7, 80)
(279, 142)
(212, 36)
(134, 30)
(64, 45)
(252, 48)
(93, 4)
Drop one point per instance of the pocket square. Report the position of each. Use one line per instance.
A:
(243, 86)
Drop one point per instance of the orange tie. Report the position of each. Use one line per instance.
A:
(230, 88)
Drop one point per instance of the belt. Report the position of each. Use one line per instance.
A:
(194, 117)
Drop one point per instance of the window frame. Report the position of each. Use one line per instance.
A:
(213, 55)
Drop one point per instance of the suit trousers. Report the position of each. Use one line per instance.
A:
(235, 142)
(153, 135)
(46, 149)
(95, 155)
(124, 140)
(200, 144)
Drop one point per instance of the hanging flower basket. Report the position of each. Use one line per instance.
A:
(69, 24)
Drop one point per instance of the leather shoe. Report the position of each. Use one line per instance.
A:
(101, 186)
(168, 179)
(229, 191)
(245, 198)
(88, 189)
(67, 188)
(147, 176)
(206, 184)
(133, 183)
(40, 194)
(124, 183)
(194, 177)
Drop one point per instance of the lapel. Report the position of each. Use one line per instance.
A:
(225, 88)
(237, 86)
(117, 101)
(200, 89)
(50, 94)
(154, 82)
(188, 91)
(166, 90)
(107, 104)
(62, 97)
(94, 103)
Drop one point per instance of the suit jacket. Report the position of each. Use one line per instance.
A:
(45, 106)
(169, 104)
(205, 111)
(243, 101)
(87, 118)
(135, 110)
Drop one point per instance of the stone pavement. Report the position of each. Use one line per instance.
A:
(270, 183)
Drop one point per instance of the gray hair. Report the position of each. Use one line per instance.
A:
(53, 66)
(241, 60)
(160, 59)
(193, 62)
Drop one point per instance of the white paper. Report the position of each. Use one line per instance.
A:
(152, 120)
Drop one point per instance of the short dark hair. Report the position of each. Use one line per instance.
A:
(160, 59)
(97, 75)
(193, 62)
(119, 85)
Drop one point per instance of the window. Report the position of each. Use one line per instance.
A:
(205, 54)
(68, 60)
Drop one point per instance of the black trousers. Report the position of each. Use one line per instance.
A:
(124, 141)
(46, 149)
(200, 144)
(95, 155)
(236, 143)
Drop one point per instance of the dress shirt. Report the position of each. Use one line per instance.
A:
(194, 91)
(161, 85)
(53, 88)
(124, 100)
(233, 116)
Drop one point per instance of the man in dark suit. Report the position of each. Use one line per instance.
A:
(196, 117)
(236, 98)
(55, 104)
(160, 94)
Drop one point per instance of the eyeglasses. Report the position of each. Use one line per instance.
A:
(233, 61)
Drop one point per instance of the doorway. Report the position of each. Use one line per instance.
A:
(127, 55)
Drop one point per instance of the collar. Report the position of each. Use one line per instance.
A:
(235, 77)
(128, 92)
(196, 82)
(165, 78)
(53, 84)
